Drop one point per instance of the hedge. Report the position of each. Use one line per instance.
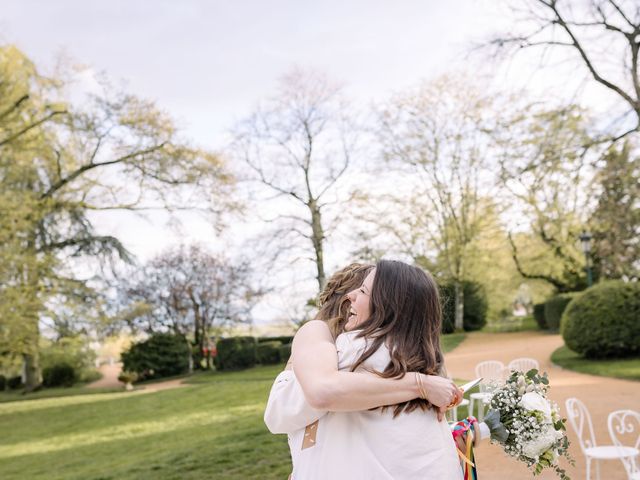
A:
(554, 307)
(538, 315)
(59, 375)
(161, 355)
(285, 352)
(604, 322)
(475, 302)
(268, 353)
(283, 340)
(236, 353)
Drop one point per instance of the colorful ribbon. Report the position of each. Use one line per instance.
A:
(468, 460)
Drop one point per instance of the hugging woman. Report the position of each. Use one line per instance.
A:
(364, 400)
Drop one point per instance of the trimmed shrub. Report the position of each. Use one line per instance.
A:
(268, 353)
(73, 351)
(283, 340)
(14, 382)
(285, 352)
(554, 307)
(604, 322)
(236, 353)
(3, 383)
(538, 315)
(60, 375)
(476, 305)
(161, 355)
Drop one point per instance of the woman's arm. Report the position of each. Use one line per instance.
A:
(315, 364)
(287, 410)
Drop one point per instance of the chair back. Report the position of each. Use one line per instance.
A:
(580, 420)
(492, 372)
(624, 430)
(523, 364)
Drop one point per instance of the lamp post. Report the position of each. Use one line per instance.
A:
(585, 238)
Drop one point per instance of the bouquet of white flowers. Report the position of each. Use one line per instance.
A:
(527, 424)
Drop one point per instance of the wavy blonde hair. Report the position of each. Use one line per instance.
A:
(333, 302)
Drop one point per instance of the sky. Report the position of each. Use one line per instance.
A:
(208, 63)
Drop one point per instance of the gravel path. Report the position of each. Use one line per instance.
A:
(110, 380)
(601, 395)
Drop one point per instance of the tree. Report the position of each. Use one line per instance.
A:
(62, 160)
(547, 174)
(190, 292)
(602, 35)
(299, 145)
(616, 219)
(437, 136)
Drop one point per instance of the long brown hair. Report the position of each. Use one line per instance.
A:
(333, 302)
(405, 315)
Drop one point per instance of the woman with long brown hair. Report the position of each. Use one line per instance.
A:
(389, 349)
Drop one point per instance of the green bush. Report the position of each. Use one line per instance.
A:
(538, 314)
(283, 340)
(236, 353)
(3, 383)
(554, 307)
(268, 353)
(285, 352)
(73, 351)
(60, 375)
(604, 322)
(14, 382)
(475, 306)
(161, 355)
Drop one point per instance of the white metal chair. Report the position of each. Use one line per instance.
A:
(580, 420)
(624, 429)
(491, 371)
(523, 364)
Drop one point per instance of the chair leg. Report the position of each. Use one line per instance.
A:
(588, 468)
(598, 469)
(481, 410)
(471, 406)
(454, 413)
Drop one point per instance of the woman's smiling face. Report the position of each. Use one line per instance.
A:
(360, 299)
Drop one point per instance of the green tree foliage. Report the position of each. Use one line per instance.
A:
(161, 355)
(615, 222)
(544, 169)
(603, 320)
(475, 306)
(437, 136)
(62, 160)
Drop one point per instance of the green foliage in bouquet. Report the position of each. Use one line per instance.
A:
(527, 424)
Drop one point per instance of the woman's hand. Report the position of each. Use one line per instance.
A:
(441, 392)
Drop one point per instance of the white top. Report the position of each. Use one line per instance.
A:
(367, 445)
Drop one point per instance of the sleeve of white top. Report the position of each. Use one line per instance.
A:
(287, 410)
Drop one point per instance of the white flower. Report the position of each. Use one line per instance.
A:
(533, 401)
(539, 444)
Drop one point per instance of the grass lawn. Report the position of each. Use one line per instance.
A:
(628, 368)
(451, 341)
(212, 428)
(514, 324)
